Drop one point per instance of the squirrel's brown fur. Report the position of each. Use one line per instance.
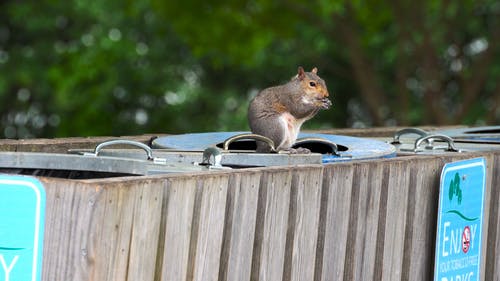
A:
(279, 112)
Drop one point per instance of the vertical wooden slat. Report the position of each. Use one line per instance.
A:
(491, 177)
(338, 179)
(350, 258)
(272, 219)
(306, 204)
(236, 263)
(210, 229)
(382, 221)
(421, 230)
(395, 221)
(162, 231)
(361, 253)
(123, 229)
(368, 222)
(111, 230)
(69, 212)
(492, 263)
(179, 216)
(145, 231)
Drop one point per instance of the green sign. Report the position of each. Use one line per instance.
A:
(22, 216)
(460, 221)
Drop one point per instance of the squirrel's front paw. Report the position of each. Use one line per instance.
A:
(326, 103)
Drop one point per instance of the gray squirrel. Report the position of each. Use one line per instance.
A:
(279, 112)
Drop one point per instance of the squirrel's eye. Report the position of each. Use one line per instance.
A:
(312, 84)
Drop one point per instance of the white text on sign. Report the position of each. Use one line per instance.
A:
(452, 239)
(461, 277)
(7, 266)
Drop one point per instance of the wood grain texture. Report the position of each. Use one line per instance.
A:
(368, 220)
(241, 219)
(68, 218)
(179, 216)
(338, 181)
(397, 196)
(370, 190)
(492, 259)
(421, 220)
(146, 217)
(303, 223)
(270, 240)
(207, 241)
(100, 233)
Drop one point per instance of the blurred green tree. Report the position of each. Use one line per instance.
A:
(399, 62)
(77, 68)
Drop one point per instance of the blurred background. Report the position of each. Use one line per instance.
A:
(108, 67)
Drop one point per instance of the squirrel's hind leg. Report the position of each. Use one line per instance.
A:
(273, 128)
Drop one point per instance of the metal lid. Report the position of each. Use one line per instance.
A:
(349, 148)
(417, 141)
(488, 134)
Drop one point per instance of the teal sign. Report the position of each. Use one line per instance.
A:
(22, 216)
(460, 221)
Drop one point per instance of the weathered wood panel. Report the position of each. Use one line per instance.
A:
(367, 181)
(492, 262)
(101, 233)
(69, 212)
(303, 224)
(336, 220)
(145, 224)
(395, 221)
(241, 219)
(271, 231)
(421, 219)
(62, 145)
(208, 221)
(371, 220)
(179, 218)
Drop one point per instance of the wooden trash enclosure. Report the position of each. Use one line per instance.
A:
(361, 220)
(372, 220)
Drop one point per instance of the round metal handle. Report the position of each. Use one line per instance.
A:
(146, 148)
(430, 138)
(267, 140)
(407, 131)
(302, 141)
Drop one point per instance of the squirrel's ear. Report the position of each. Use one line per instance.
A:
(301, 73)
(314, 70)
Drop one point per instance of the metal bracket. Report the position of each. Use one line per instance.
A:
(212, 158)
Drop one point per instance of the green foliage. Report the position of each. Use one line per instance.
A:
(77, 68)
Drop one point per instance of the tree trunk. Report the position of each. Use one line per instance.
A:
(364, 73)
